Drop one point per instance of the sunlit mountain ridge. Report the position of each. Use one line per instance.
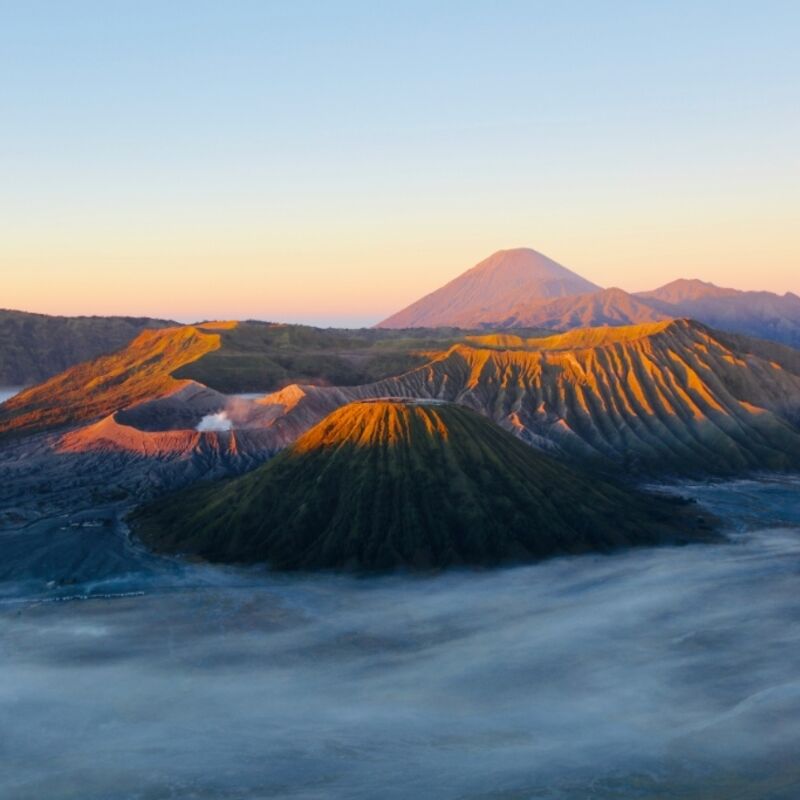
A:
(227, 356)
(667, 397)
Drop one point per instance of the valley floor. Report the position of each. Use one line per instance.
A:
(649, 674)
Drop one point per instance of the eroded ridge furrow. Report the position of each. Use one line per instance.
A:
(668, 396)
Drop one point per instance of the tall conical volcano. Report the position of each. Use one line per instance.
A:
(491, 290)
(385, 484)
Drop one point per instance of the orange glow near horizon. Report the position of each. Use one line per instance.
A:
(339, 283)
(242, 162)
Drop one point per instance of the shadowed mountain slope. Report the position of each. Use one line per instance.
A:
(605, 307)
(386, 484)
(763, 314)
(33, 347)
(491, 290)
(685, 290)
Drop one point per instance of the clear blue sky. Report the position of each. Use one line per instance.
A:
(333, 161)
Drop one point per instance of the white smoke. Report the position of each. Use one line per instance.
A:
(215, 422)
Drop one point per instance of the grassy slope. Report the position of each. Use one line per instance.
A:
(33, 347)
(261, 357)
(379, 485)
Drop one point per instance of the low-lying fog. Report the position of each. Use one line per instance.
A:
(654, 673)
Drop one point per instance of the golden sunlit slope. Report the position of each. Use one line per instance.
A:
(35, 346)
(139, 372)
(261, 356)
(580, 338)
(670, 395)
(379, 485)
(227, 356)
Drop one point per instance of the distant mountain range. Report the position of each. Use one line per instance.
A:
(523, 288)
(33, 347)
(513, 289)
(490, 291)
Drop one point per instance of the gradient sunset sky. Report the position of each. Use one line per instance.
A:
(330, 162)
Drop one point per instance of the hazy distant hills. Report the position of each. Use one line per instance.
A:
(764, 314)
(603, 307)
(524, 288)
(390, 484)
(35, 346)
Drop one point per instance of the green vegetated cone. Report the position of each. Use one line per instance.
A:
(381, 485)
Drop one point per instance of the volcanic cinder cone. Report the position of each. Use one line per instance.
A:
(379, 485)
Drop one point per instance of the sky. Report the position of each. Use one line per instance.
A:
(332, 162)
